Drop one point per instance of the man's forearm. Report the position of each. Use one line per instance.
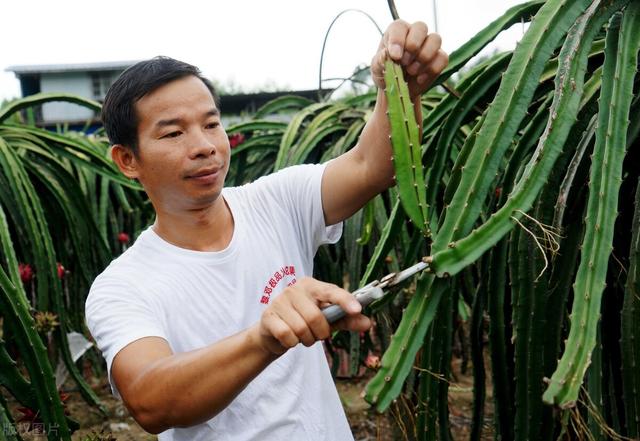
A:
(355, 177)
(189, 388)
(374, 147)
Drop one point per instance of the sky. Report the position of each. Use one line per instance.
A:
(250, 44)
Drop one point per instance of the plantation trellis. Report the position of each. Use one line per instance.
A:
(523, 191)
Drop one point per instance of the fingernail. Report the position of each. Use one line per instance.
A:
(395, 51)
(406, 58)
(355, 306)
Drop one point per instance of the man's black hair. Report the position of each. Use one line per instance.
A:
(118, 111)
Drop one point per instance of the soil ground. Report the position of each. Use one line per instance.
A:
(366, 424)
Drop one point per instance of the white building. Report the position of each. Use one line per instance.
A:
(92, 80)
(89, 80)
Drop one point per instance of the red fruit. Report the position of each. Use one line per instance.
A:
(32, 418)
(123, 238)
(61, 271)
(372, 361)
(235, 140)
(498, 191)
(26, 273)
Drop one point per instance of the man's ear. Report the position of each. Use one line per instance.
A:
(125, 159)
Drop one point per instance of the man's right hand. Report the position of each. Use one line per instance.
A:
(164, 390)
(295, 316)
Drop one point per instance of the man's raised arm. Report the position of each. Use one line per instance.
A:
(355, 177)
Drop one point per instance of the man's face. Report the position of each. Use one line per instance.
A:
(183, 150)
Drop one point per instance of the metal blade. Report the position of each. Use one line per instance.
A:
(405, 274)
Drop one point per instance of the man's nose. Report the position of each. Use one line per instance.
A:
(201, 145)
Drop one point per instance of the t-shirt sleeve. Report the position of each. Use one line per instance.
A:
(298, 191)
(117, 314)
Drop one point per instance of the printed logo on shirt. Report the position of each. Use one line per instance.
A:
(286, 274)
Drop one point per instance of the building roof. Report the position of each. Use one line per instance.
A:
(250, 102)
(77, 67)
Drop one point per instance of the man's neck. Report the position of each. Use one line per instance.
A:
(209, 229)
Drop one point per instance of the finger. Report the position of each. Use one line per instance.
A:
(315, 321)
(394, 39)
(435, 68)
(416, 37)
(377, 68)
(425, 55)
(327, 292)
(289, 314)
(279, 330)
(357, 322)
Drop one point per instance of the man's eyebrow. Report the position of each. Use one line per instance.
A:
(177, 121)
(168, 122)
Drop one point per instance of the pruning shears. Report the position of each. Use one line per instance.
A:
(374, 290)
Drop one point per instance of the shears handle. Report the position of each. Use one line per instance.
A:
(364, 296)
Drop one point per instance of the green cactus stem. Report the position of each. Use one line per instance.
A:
(620, 66)
(517, 14)
(563, 113)
(13, 303)
(8, 431)
(405, 140)
(502, 347)
(283, 103)
(505, 114)
(595, 377)
(292, 132)
(475, 92)
(48, 285)
(321, 126)
(630, 341)
(12, 379)
(477, 357)
(397, 360)
(387, 238)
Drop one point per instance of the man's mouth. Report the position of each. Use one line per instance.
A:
(205, 175)
(204, 172)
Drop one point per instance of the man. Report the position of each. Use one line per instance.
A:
(201, 320)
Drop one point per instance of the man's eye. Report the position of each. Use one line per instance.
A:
(212, 125)
(172, 134)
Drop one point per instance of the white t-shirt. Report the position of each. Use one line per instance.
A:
(193, 299)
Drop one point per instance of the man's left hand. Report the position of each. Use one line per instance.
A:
(418, 52)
